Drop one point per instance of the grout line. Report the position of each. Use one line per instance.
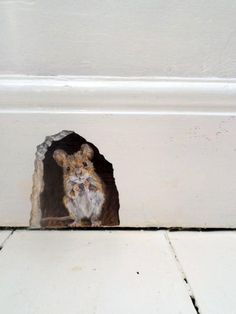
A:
(7, 238)
(182, 272)
(118, 228)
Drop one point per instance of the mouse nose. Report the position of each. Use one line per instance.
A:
(78, 171)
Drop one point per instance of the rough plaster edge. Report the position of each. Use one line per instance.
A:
(38, 184)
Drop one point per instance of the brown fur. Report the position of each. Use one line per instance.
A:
(79, 164)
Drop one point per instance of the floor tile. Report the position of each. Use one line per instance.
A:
(4, 234)
(208, 260)
(91, 272)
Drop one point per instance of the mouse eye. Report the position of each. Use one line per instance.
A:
(85, 164)
(67, 168)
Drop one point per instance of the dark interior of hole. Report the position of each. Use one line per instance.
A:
(52, 195)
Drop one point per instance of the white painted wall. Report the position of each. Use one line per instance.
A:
(174, 165)
(191, 38)
(186, 127)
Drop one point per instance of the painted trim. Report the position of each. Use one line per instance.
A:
(117, 95)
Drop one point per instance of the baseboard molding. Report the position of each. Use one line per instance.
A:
(171, 144)
(117, 95)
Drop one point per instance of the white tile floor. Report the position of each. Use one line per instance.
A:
(209, 262)
(4, 234)
(117, 272)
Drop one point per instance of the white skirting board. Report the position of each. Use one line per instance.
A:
(172, 144)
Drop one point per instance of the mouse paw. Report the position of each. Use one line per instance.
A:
(96, 223)
(75, 224)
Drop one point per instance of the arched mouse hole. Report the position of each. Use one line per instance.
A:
(73, 185)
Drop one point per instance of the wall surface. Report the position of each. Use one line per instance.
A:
(186, 38)
(171, 143)
(151, 83)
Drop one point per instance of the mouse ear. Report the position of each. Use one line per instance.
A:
(60, 156)
(87, 151)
